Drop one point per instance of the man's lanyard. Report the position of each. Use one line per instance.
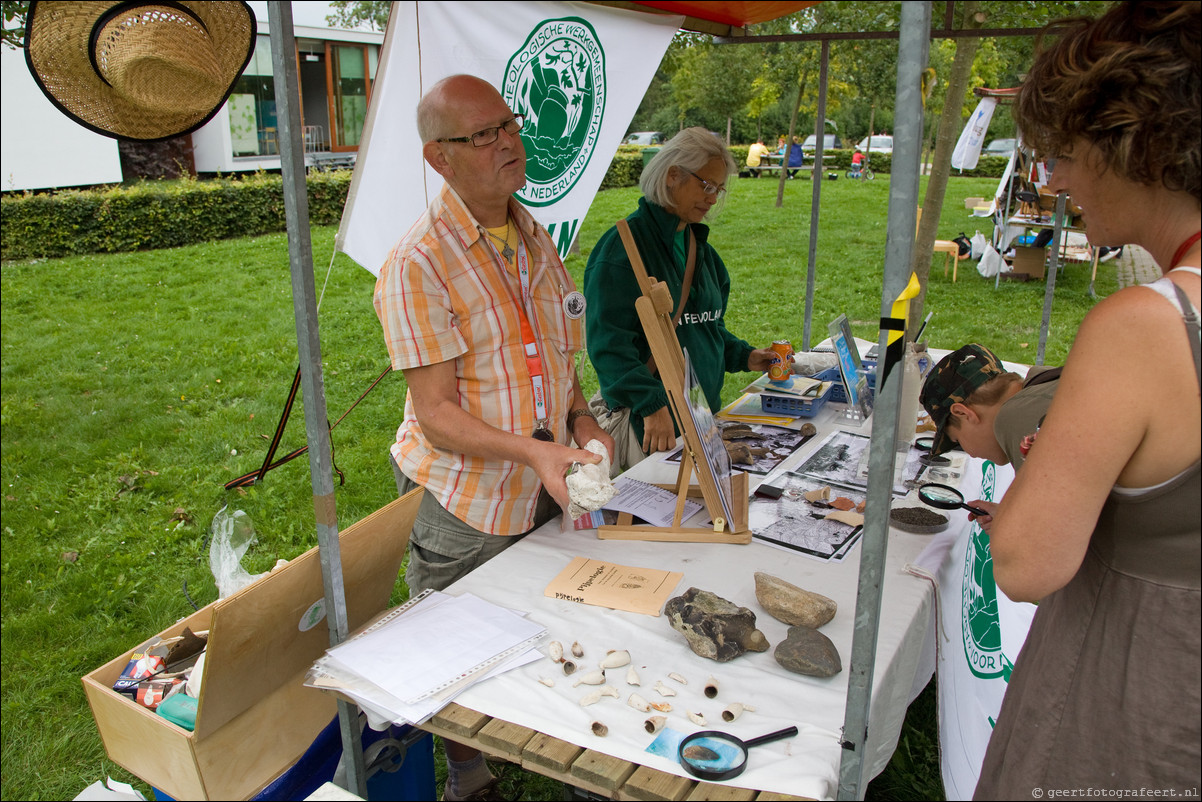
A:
(534, 361)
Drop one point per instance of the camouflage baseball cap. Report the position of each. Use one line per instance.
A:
(952, 381)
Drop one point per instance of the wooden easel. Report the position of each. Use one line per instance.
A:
(655, 313)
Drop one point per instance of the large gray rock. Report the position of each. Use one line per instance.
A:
(714, 627)
(791, 604)
(807, 651)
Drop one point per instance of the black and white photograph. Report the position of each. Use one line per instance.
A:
(796, 523)
(755, 447)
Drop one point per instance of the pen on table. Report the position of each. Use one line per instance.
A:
(923, 327)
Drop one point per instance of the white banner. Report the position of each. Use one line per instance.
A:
(980, 634)
(968, 146)
(576, 71)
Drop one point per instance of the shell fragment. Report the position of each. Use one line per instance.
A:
(616, 659)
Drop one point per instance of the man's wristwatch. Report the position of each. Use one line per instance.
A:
(579, 413)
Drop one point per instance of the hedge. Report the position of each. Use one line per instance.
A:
(165, 214)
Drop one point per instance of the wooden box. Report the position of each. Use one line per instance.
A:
(1029, 261)
(254, 717)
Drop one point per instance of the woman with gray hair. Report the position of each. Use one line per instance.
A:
(680, 186)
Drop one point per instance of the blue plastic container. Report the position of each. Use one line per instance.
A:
(406, 772)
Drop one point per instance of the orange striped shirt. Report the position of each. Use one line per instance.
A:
(444, 294)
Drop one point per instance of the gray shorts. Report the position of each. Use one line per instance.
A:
(442, 548)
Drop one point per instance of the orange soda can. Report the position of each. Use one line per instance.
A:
(779, 370)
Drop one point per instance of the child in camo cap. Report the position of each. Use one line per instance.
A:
(987, 411)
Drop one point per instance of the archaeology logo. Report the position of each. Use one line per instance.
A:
(557, 80)
(979, 623)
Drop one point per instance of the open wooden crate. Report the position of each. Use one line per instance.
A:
(254, 717)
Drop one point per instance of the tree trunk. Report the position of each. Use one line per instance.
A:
(941, 162)
(784, 162)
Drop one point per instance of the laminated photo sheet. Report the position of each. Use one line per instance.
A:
(794, 523)
(780, 442)
(842, 459)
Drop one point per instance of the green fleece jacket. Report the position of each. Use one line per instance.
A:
(616, 344)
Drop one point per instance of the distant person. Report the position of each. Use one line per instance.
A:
(1103, 525)
(780, 145)
(985, 410)
(857, 163)
(680, 186)
(795, 158)
(755, 156)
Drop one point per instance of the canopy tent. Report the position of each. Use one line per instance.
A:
(914, 36)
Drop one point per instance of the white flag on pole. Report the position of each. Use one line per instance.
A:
(968, 147)
(576, 71)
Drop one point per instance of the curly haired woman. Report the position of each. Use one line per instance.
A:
(1102, 525)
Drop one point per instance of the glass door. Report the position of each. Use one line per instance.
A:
(348, 77)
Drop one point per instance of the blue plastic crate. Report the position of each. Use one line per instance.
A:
(837, 394)
(796, 407)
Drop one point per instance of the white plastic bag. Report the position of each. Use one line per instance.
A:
(991, 262)
(979, 244)
(232, 535)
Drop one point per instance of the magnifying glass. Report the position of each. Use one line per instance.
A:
(946, 498)
(924, 443)
(715, 755)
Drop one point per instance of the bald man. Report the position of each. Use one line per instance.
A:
(483, 319)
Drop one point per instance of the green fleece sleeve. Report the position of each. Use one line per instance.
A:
(617, 345)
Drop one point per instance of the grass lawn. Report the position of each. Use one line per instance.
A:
(135, 385)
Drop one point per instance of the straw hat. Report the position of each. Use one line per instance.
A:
(142, 71)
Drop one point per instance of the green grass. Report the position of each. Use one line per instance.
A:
(135, 385)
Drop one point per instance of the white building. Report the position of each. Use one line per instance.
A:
(41, 148)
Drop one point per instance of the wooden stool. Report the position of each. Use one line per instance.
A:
(950, 250)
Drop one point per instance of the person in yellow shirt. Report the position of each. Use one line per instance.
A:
(755, 156)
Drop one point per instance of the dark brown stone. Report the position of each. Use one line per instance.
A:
(807, 651)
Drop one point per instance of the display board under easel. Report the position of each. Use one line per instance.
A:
(724, 491)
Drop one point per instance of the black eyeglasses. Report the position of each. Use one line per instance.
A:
(487, 136)
(706, 186)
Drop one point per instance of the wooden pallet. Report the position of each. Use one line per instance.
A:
(589, 770)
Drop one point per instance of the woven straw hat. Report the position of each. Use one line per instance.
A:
(143, 71)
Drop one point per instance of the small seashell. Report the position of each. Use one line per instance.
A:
(711, 688)
(632, 676)
(577, 650)
(697, 719)
(599, 729)
(638, 703)
(654, 724)
(678, 678)
(663, 689)
(609, 690)
(555, 651)
(591, 678)
(616, 659)
(568, 667)
(550, 683)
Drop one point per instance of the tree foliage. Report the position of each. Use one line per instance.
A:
(14, 22)
(355, 13)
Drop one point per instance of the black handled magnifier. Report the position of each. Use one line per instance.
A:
(925, 443)
(715, 755)
(946, 498)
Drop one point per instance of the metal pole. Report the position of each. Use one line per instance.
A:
(812, 259)
(1053, 269)
(903, 213)
(308, 340)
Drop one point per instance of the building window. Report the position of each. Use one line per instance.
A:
(253, 128)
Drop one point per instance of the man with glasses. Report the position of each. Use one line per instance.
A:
(483, 319)
(684, 181)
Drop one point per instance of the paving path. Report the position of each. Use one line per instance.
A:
(1135, 266)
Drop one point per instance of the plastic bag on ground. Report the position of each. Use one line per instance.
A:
(978, 242)
(991, 262)
(232, 535)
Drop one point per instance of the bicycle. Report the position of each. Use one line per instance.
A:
(864, 173)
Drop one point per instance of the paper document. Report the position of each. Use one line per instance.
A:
(619, 587)
(652, 504)
(435, 645)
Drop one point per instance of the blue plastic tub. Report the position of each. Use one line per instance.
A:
(404, 770)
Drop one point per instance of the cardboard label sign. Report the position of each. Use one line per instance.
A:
(619, 587)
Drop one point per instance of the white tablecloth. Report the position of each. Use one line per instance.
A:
(807, 765)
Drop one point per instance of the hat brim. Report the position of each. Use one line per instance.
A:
(58, 53)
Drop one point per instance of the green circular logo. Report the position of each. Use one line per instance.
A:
(557, 80)
(979, 621)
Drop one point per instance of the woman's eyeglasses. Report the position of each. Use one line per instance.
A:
(487, 136)
(706, 186)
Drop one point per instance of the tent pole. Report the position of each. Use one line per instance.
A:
(903, 213)
(308, 340)
(812, 258)
(1050, 280)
